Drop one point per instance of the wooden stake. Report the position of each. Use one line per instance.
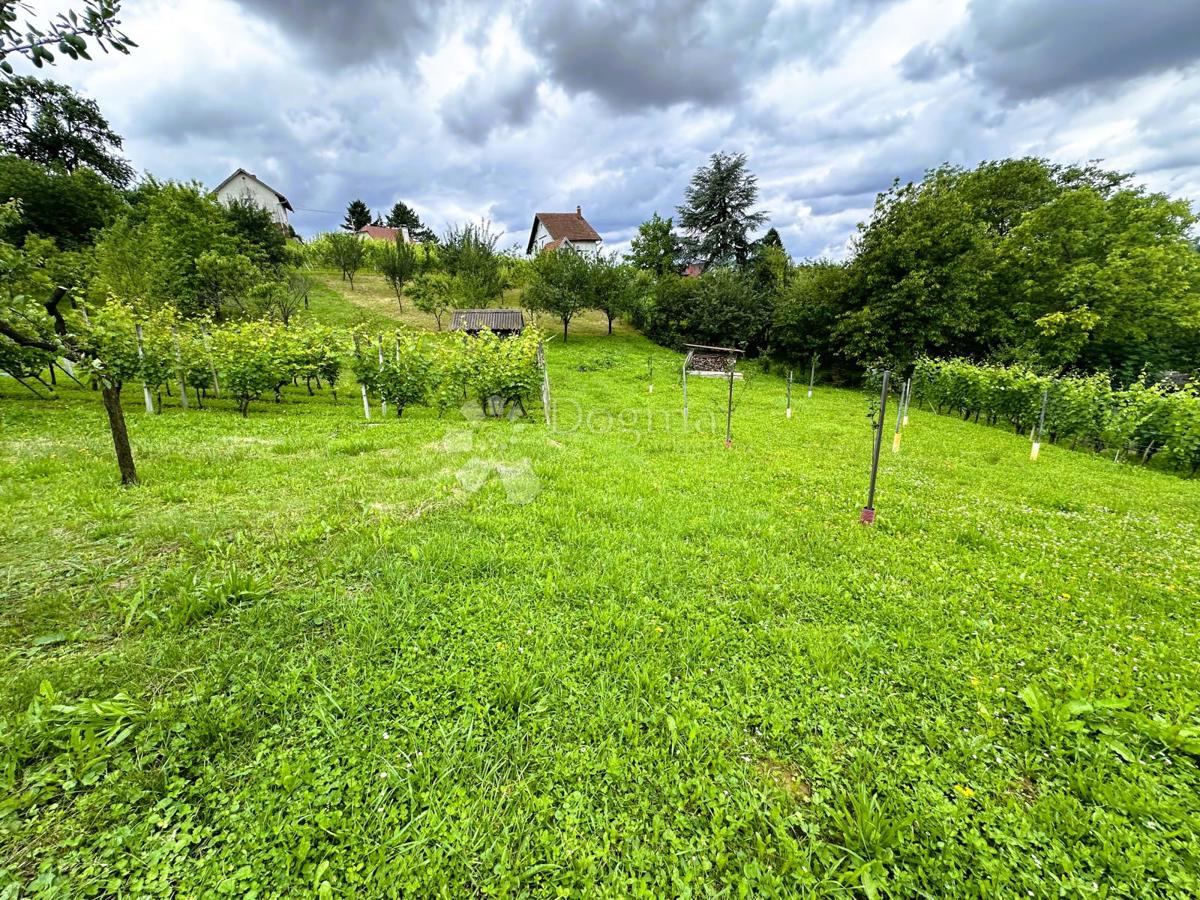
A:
(789, 394)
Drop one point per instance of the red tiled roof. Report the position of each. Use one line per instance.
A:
(379, 232)
(571, 226)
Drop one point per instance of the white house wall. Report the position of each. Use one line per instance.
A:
(243, 188)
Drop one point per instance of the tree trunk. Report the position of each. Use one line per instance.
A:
(610, 318)
(565, 322)
(116, 423)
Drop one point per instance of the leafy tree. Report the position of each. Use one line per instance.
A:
(806, 310)
(50, 124)
(559, 284)
(150, 256)
(35, 330)
(397, 263)
(611, 287)
(468, 254)
(656, 247)
(225, 283)
(718, 213)
(1014, 259)
(346, 252)
(96, 19)
(433, 293)
(358, 215)
(404, 216)
(71, 207)
(257, 233)
(722, 307)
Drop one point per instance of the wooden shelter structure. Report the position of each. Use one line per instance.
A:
(712, 362)
(502, 322)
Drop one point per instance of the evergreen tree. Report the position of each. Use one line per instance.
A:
(404, 216)
(771, 239)
(358, 214)
(718, 214)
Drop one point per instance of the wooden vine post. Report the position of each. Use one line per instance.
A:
(789, 394)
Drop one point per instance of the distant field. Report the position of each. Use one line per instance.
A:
(455, 658)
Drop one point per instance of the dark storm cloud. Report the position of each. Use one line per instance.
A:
(346, 33)
(483, 105)
(658, 53)
(484, 108)
(925, 62)
(1032, 48)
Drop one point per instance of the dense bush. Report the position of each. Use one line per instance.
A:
(722, 307)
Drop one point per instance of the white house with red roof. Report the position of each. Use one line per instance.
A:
(553, 230)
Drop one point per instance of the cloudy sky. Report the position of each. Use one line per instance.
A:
(497, 110)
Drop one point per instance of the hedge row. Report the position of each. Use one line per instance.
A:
(1143, 420)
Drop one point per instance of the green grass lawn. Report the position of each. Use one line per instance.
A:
(454, 658)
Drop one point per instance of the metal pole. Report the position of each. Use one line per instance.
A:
(789, 394)
(868, 513)
(907, 398)
(729, 407)
(141, 356)
(899, 414)
(812, 376)
(650, 368)
(1037, 435)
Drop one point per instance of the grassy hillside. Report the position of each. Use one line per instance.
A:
(449, 657)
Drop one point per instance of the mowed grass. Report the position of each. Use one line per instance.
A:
(448, 657)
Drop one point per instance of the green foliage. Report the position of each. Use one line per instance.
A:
(70, 207)
(404, 216)
(559, 284)
(345, 252)
(718, 213)
(806, 310)
(358, 215)
(179, 247)
(1060, 267)
(66, 31)
(48, 123)
(257, 234)
(1142, 419)
(433, 293)
(656, 247)
(397, 262)
(467, 254)
(720, 308)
